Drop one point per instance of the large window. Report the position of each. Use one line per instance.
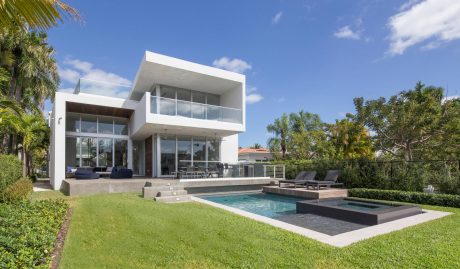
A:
(105, 152)
(121, 152)
(85, 123)
(168, 154)
(182, 152)
(105, 125)
(88, 123)
(88, 151)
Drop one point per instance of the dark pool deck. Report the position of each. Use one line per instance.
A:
(325, 225)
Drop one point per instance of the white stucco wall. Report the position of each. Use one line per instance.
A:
(229, 149)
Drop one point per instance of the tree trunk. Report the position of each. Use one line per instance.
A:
(24, 163)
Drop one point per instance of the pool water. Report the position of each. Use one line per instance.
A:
(268, 205)
(356, 205)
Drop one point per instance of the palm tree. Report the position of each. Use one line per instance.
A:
(30, 63)
(280, 129)
(36, 14)
(34, 132)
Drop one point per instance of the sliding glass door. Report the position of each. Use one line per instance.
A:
(180, 153)
(168, 154)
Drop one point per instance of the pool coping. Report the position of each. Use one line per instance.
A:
(343, 239)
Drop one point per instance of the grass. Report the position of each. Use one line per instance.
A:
(126, 231)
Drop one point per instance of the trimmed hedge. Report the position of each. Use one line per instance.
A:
(10, 171)
(28, 232)
(19, 190)
(408, 197)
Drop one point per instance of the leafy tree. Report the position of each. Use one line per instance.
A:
(308, 137)
(408, 123)
(256, 146)
(350, 139)
(281, 131)
(37, 14)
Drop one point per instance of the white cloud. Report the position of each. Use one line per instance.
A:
(419, 21)
(98, 81)
(452, 97)
(71, 90)
(69, 75)
(253, 98)
(280, 99)
(277, 17)
(235, 65)
(347, 33)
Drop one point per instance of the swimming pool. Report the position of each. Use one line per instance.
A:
(264, 204)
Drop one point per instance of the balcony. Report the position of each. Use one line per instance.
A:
(187, 109)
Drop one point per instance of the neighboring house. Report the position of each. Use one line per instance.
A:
(254, 155)
(176, 114)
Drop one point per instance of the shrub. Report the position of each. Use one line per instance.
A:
(19, 190)
(10, 170)
(408, 197)
(28, 232)
(395, 175)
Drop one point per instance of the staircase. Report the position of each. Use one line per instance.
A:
(171, 193)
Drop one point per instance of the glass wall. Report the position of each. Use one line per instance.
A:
(139, 157)
(168, 154)
(184, 152)
(191, 152)
(88, 151)
(109, 148)
(199, 152)
(85, 123)
(105, 152)
(121, 152)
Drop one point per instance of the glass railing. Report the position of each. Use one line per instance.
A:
(174, 107)
(102, 88)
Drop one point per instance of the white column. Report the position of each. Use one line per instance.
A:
(57, 149)
(130, 153)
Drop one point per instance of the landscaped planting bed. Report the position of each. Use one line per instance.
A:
(28, 232)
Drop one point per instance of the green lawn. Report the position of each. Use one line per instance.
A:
(126, 231)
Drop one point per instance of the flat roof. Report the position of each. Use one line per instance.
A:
(158, 69)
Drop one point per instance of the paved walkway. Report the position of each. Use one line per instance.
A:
(42, 186)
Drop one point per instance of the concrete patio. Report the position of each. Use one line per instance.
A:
(72, 186)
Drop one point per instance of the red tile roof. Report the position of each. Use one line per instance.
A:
(250, 150)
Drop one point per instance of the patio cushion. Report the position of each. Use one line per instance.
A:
(121, 172)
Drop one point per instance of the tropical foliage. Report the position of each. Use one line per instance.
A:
(418, 124)
(38, 14)
(304, 136)
(28, 76)
(414, 124)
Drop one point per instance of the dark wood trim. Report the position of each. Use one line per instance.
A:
(99, 110)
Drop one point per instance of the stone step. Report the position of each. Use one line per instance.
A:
(151, 192)
(174, 199)
(171, 193)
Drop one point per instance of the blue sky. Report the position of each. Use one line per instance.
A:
(315, 55)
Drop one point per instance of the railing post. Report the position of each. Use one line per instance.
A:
(176, 105)
(274, 171)
(265, 171)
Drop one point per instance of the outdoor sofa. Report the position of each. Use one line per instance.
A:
(329, 180)
(86, 173)
(301, 179)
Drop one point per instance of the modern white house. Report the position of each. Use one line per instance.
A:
(175, 114)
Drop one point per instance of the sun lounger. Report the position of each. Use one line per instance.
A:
(329, 180)
(301, 179)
